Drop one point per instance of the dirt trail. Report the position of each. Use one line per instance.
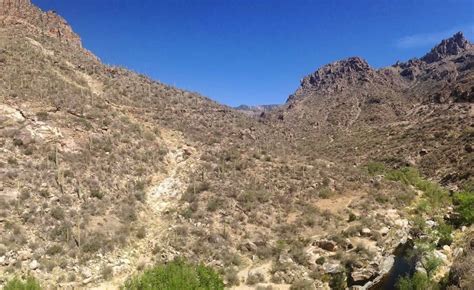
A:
(161, 197)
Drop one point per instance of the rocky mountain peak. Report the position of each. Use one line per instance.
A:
(451, 46)
(350, 69)
(13, 12)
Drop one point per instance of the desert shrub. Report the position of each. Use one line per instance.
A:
(17, 284)
(141, 233)
(255, 278)
(178, 275)
(444, 233)
(57, 213)
(352, 217)
(198, 187)
(406, 175)
(214, 203)
(94, 243)
(410, 176)
(320, 260)
(419, 281)
(12, 161)
(54, 250)
(107, 272)
(326, 193)
(302, 284)
(232, 277)
(464, 202)
(431, 263)
(338, 281)
(42, 116)
(375, 168)
(97, 193)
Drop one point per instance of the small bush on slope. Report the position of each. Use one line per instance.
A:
(419, 281)
(176, 275)
(464, 202)
(17, 284)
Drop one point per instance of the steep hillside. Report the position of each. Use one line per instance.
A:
(82, 144)
(421, 105)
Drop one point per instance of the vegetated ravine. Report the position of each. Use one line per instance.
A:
(404, 265)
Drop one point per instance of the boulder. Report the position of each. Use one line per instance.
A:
(326, 245)
(86, 272)
(332, 267)
(447, 249)
(34, 265)
(24, 255)
(255, 276)
(3, 261)
(285, 259)
(441, 256)
(363, 274)
(366, 232)
(430, 223)
(384, 231)
(458, 252)
(387, 264)
(23, 138)
(249, 246)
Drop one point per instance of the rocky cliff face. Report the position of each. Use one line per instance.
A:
(448, 47)
(50, 23)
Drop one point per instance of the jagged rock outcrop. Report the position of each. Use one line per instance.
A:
(448, 47)
(50, 23)
(349, 92)
(353, 68)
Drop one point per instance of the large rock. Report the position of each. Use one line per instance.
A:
(366, 232)
(363, 274)
(332, 267)
(326, 245)
(387, 264)
(249, 246)
(285, 259)
(34, 265)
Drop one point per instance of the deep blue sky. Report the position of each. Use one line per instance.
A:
(256, 51)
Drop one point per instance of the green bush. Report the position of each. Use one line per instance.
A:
(464, 202)
(419, 281)
(176, 275)
(406, 175)
(435, 194)
(375, 168)
(338, 281)
(16, 284)
(431, 263)
(444, 234)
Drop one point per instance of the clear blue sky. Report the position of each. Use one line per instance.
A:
(256, 51)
